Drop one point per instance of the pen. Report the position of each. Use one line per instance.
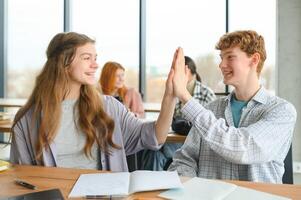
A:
(98, 196)
(25, 184)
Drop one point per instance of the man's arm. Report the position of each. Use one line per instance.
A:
(185, 160)
(257, 143)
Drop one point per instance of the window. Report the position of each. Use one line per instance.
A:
(115, 26)
(194, 25)
(261, 17)
(31, 25)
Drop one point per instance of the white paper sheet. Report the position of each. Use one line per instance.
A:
(101, 184)
(124, 183)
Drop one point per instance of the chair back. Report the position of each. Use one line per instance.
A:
(288, 167)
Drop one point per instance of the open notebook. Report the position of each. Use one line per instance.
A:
(200, 188)
(124, 183)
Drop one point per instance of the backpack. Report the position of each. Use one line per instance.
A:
(180, 125)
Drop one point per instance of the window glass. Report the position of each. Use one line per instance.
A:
(115, 26)
(31, 25)
(194, 25)
(263, 21)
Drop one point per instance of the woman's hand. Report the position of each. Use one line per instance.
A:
(169, 85)
(180, 76)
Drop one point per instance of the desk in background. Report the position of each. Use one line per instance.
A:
(50, 177)
(12, 102)
(5, 126)
(9, 102)
(152, 107)
(171, 138)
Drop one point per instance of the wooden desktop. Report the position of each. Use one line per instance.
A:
(50, 177)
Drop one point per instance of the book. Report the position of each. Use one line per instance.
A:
(200, 188)
(124, 183)
(53, 194)
(4, 165)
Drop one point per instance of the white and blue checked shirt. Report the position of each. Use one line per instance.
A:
(255, 151)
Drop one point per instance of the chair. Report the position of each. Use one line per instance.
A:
(288, 167)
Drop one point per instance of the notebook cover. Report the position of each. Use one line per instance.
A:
(54, 194)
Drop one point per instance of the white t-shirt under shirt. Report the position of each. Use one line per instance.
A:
(70, 141)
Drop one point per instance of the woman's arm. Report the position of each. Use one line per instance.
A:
(20, 149)
(169, 100)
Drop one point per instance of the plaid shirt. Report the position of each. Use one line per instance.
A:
(201, 93)
(255, 151)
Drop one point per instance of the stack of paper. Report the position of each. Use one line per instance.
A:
(4, 165)
(199, 188)
(124, 183)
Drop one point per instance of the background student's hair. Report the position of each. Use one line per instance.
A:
(52, 86)
(192, 66)
(112, 83)
(108, 78)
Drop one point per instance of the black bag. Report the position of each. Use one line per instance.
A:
(181, 126)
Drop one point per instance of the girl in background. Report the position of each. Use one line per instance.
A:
(112, 83)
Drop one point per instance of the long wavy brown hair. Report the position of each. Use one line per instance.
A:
(51, 88)
(108, 78)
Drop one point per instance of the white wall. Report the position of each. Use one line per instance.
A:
(288, 66)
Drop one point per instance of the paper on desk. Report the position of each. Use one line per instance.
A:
(143, 180)
(249, 194)
(101, 184)
(200, 188)
(124, 183)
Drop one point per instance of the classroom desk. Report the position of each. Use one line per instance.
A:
(50, 177)
(151, 107)
(171, 138)
(5, 126)
(9, 102)
(12, 102)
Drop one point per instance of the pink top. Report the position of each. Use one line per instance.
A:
(133, 101)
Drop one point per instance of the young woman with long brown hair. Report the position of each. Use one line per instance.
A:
(112, 83)
(67, 123)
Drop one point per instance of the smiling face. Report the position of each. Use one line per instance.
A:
(119, 78)
(83, 67)
(235, 66)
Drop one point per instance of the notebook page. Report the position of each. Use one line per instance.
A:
(143, 180)
(101, 184)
